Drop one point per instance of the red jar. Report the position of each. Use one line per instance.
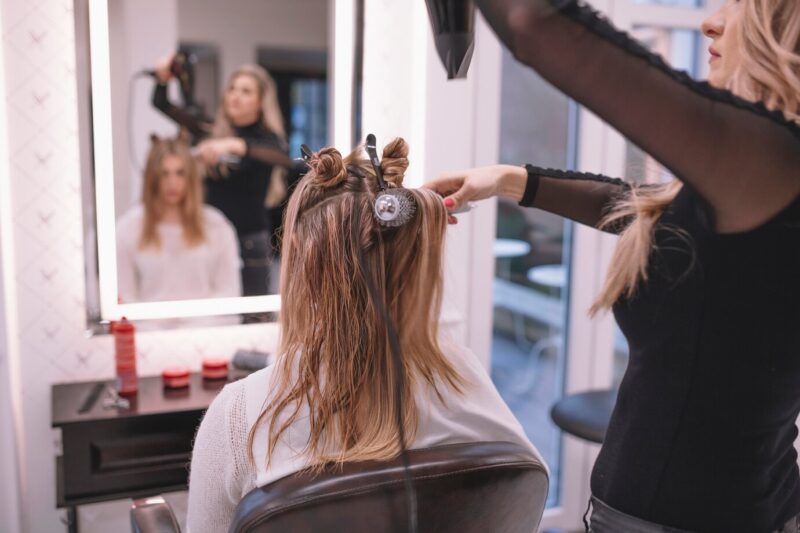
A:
(215, 368)
(176, 377)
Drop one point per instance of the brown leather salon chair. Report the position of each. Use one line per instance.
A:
(482, 487)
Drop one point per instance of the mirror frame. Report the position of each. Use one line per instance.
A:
(341, 68)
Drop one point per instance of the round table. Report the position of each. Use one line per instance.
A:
(509, 248)
(585, 415)
(553, 276)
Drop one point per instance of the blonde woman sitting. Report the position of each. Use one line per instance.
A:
(172, 246)
(329, 397)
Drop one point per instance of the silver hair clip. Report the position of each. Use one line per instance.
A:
(393, 207)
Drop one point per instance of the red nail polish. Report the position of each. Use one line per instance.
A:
(448, 202)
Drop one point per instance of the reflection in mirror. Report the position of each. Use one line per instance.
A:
(222, 107)
(210, 101)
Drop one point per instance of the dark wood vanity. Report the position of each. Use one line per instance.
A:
(111, 453)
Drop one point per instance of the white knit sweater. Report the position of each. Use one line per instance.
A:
(176, 270)
(221, 474)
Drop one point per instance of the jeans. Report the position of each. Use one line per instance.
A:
(256, 252)
(606, 519)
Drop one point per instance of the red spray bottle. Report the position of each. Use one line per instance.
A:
(125, 356)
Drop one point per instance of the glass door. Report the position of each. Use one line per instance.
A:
(532, 262)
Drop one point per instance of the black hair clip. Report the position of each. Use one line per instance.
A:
(355, 171)
(393, 206)
(301, 164)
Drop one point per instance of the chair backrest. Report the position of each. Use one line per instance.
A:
(460, 488)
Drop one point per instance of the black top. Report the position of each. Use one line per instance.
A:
(702, 433)
(238, 190)
(197, 126)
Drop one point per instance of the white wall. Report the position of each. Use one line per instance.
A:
(250, 24)
(9, 480)
(9, 397)
(140, 33)
(10, 486)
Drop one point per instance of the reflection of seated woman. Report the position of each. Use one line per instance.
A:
(248, 129)
(329, 395)
(172, 247)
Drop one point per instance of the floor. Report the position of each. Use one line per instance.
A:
(114, 516)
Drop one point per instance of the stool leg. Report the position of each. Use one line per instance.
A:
(534, 359)
(519, 330)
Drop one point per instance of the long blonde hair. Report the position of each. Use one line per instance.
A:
(334, 356)
(769, 72)
(270, 117)
(192, 206)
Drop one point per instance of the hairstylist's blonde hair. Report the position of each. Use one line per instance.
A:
(192, 206)
(271, 118)
(334, 356)
(770, 73)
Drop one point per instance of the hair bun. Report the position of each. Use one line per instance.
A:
(395, 161)
(327, 168)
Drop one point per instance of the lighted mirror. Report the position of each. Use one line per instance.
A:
(192, 113)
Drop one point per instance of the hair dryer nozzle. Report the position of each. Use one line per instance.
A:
(453, 25)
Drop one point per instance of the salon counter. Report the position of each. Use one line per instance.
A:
(111, 453)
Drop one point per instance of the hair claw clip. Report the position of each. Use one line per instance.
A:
(393, 207)
(302, 165)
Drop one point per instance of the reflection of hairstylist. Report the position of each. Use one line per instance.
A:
(704, 281)
(242, 148)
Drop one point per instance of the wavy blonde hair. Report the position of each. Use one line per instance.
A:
(769, 72)
(192, 205)
(270, 117)
(334, 355)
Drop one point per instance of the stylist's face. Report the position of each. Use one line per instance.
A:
(723, 28)
(242, 100)
(173, 181)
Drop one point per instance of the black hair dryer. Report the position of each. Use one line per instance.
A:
(182, 68)
(453, 25)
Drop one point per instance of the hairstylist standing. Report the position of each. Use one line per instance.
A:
(704, 281)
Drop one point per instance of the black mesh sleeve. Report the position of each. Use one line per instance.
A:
(579, 196)
(740, 157)
(183, 118)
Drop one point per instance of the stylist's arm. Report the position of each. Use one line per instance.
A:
(463, 186)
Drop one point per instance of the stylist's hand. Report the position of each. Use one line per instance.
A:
(481, 183)
(164, 69)
(211, 150)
